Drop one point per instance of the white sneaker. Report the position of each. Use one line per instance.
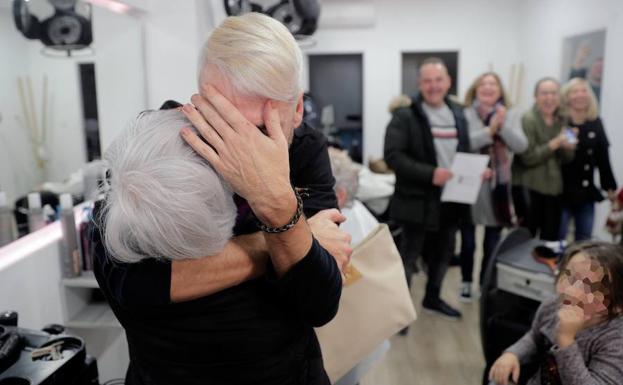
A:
(465, 295)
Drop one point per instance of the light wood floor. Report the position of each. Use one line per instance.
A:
(436, 351)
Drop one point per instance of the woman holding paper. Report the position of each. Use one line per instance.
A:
(538, 169)
(494, 130)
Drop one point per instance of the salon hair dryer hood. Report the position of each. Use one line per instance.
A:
(299, 16)
(65, 30)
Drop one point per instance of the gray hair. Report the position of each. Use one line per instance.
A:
(345, 172)
(163, 201)
(258, 55)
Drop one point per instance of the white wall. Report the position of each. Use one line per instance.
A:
(153, 58)
(118, 41)
(65, 146)
(544, 25)
(172, 44)
(119, 67)
(484, 32)
(18, 172)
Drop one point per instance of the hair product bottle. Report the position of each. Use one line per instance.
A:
(36, 217)
(7, 222)
(71, 258)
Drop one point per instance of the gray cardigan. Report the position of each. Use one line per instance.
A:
(479, 137)
(595, 358)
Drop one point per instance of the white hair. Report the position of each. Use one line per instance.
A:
(163, 201)
(346, 173)
(257, 54)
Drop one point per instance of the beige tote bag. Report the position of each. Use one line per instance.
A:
(375, 304)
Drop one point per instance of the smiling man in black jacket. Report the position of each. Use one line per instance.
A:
(420, 143)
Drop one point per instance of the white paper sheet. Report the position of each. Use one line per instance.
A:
(467, 170)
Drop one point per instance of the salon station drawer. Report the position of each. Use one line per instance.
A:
(533, 285)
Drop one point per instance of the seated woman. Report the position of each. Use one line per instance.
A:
(576, 337)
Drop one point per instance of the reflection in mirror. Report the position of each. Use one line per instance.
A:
(58, 112)
(89, 111)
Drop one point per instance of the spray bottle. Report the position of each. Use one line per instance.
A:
(36, 217)
(71, 258)
(7, 222)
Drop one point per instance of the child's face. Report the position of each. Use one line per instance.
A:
(581, 285)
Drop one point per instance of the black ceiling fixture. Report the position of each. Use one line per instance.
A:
(299, 16)
(65, 30)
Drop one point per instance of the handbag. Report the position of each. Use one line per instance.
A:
(375, 304)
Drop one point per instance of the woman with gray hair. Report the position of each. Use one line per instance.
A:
(259, 329)
(164, 200)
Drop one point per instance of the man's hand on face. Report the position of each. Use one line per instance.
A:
(337, 242)
(254, 164)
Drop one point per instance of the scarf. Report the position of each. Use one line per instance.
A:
(501, 166)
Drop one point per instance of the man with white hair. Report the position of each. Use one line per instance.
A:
(220, 319)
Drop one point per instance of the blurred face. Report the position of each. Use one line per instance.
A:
(578, 97)
(488, 91)
(547, 97)
(434, 83)
(252, 107)
(581, 284)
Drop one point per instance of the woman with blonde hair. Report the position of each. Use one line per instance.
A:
(494, 130)
(579, 191)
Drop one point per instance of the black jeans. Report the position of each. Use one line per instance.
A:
(544, 216)
(468, 247)
(521, 202)
(436, 247)
(411, 244)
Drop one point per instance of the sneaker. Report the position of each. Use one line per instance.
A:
(442, 309)
(466, 292)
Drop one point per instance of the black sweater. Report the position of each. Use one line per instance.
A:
(259, 332)
(578, 175)
(410, 151)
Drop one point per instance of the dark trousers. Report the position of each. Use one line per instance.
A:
(468, 247)
(583, 217)
(521, 200)
(544, 216)
(436, 247)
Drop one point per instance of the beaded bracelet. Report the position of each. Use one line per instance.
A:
(289, 225)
